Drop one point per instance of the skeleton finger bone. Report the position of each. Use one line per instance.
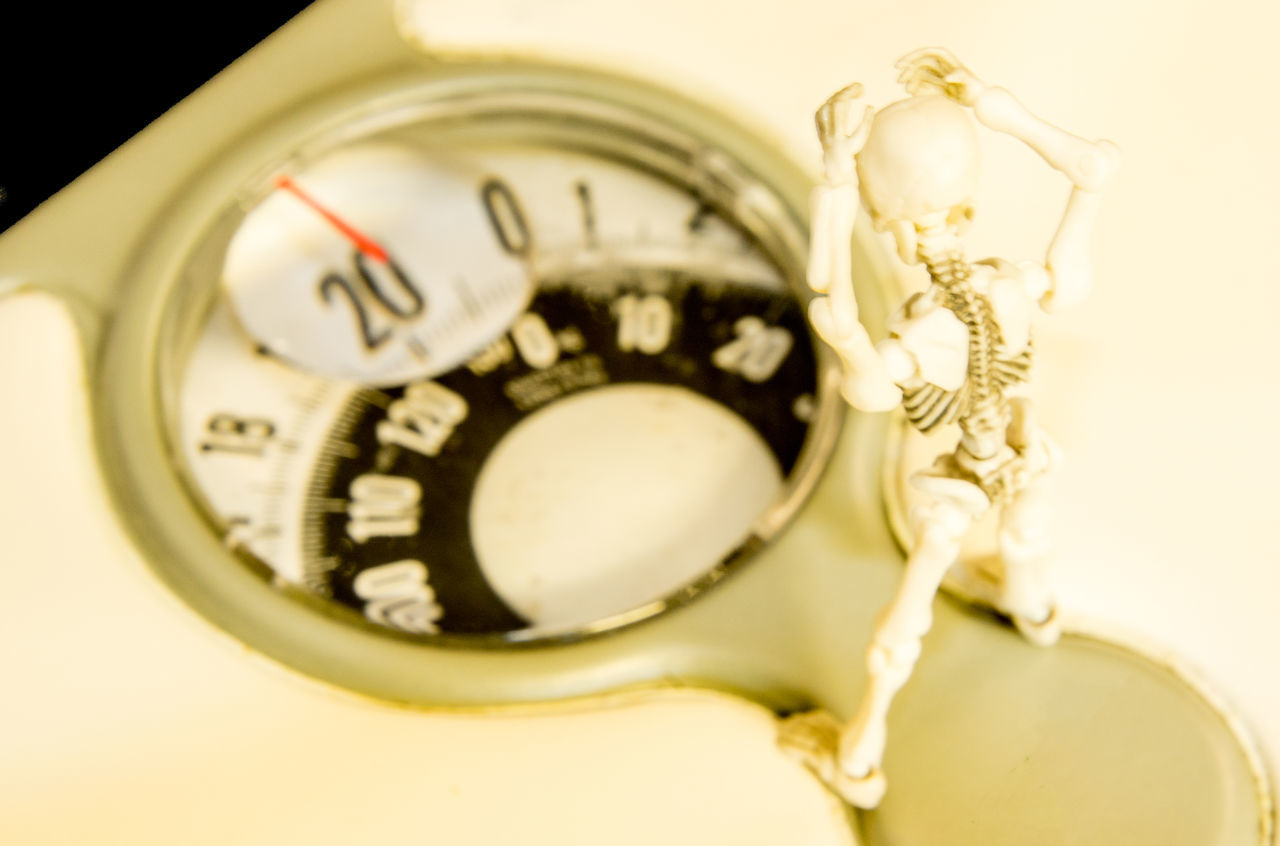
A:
(920, 72)
(846, 95)
(834, 118)
(963, 86)
(930, 69)
(936, 57)
(922, 81)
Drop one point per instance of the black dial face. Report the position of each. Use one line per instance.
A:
(600, 397)
(405, 549)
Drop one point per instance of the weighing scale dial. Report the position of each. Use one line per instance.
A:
(469, 383)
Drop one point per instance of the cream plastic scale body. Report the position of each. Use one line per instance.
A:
(1088, 742)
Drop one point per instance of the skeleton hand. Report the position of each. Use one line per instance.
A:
(933, 70)
(841, 132)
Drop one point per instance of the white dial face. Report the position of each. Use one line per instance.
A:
(376, 264)
(616, 387)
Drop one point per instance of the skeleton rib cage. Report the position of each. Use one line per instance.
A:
(978, 405)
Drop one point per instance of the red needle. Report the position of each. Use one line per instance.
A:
(362, 242)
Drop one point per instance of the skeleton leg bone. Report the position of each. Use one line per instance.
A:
(1025, 550)
(1026, 545)
(849, 761)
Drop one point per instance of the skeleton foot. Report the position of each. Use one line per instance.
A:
(1031, 608)
(1025, 551)
(977, 579)
(1046, 632)
(982, 581)
(813, 740)
(865, 792)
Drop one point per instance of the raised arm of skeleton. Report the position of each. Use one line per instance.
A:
(842, 130)
(1090, 165)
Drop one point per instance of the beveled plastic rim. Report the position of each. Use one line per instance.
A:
(770, 197)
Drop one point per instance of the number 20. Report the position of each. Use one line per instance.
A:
(367, 297)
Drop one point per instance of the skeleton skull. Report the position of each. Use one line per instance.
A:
(919, 168)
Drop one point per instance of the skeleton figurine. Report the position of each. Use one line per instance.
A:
(960, 352)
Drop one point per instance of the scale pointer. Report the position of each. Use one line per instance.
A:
(366, 245)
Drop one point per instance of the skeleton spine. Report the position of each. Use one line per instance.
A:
(984, 419)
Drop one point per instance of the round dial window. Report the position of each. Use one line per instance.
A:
(504, 367)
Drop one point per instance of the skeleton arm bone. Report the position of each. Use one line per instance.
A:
(867, 384)
(1090, 165)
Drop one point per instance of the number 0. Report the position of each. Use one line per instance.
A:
(537, 346)
(507, 217)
